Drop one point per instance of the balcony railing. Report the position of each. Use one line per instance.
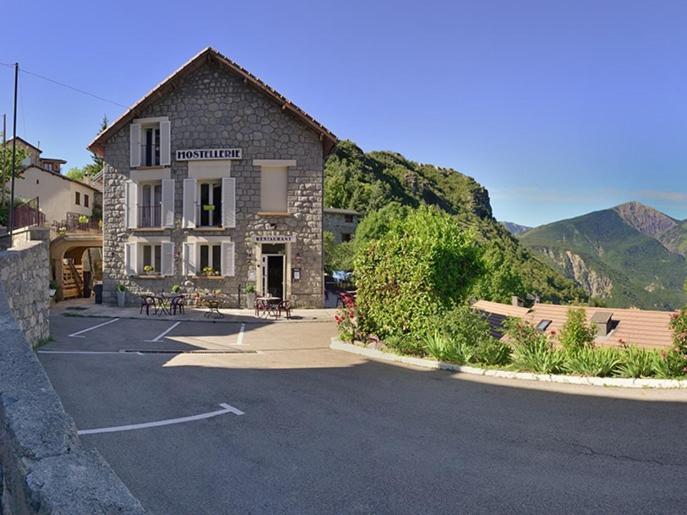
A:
(150, 216)
(150, 155)
(28, 214)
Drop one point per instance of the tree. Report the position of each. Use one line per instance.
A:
(337, 256)
(422, 266)
(93, 168)
(76, 173)
(6, 167)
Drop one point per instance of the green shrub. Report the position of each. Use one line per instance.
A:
(442, 348)
(577, 333)
(406, 344)
(636, 362)
(590, 361)
(679, 326)
(464, 324)
(424, 264)
(492, 352)
(532, 349)
(669, 364)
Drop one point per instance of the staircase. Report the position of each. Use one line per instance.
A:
(72, 281)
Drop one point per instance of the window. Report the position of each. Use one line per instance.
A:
(151, 146)
(150, 205)
(77, 198)
(348, 219)
(346, 236)
(273, 189)
(152, 257)
(210, 259)
(543, 324)
(210, 204)
(48, 166)
(85, 200)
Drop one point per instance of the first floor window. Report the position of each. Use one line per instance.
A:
(152, 258)
(77, 198)
(150, 205)
(210, 259)
(85, 200)
(210, 204)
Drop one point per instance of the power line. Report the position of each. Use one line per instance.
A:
(73, 88)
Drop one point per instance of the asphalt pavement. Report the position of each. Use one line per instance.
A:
(323, 431)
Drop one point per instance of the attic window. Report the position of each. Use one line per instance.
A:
(543, 324)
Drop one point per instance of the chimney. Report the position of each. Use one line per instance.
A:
(602, 321)
(516, 301)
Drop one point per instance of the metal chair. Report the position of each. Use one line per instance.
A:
(146, 302)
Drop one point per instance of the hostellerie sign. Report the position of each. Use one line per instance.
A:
(208, 154)
(274, 238)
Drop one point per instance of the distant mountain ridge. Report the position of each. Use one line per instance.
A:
(628, 255)
(515, 229)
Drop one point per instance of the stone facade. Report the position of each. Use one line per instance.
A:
(24, 280)
(213, 108)
(341, 223)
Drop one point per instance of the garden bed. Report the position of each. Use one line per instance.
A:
(338, 344)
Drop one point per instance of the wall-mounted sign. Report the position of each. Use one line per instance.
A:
(208, 154)
(275, 238)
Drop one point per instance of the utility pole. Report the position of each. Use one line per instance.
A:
(4, 159)
(14, 147)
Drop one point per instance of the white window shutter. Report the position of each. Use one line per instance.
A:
(189, 213)
(131, 258)
(167, 258)
(135, 145)
(167, 208)
(189, 259)
(165, 143)
(228, 258)
(228, 202)
(131, 204)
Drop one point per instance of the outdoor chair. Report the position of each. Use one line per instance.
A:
(146, 302)
(285, 306)
(178, 304)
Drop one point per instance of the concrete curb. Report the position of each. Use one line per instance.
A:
(618, 382)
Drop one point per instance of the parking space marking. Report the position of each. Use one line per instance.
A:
(82, 352)
(79, 333)
(164, 333)
(226, 408)
(239, 340)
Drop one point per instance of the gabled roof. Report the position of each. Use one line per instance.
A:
(340, 211)
(210, 54)
(630, 326)
(58, 174)
(26, 143)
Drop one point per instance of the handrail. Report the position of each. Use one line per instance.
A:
(79, 280)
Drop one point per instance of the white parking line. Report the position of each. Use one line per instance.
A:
(78, 333)
(239, 340)
(164, 333)
(226, 408)
(84, 352)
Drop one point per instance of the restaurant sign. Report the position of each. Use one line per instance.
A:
(208, 154)
(275, 238)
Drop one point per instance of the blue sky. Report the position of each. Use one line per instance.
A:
(558, 108)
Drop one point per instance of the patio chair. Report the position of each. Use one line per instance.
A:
(177, 304)
(146, 302)
(285, 306)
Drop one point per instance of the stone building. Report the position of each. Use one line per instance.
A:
(214, 180)
(341, 223)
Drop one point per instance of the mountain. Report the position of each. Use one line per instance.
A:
(629, 255)
(368, 181)
(515, 229)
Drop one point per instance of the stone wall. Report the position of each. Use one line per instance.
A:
(212, 108)
(43, 466)
(24, 280)
(336, 224)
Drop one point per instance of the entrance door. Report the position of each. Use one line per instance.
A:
(273, 275)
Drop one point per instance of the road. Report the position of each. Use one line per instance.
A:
(328, 432)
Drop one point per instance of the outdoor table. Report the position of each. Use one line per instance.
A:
(269, 305)
(163, 303)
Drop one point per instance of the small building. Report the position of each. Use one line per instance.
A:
(341, 223)
(58, 197)
(214, 180)
(615, 326)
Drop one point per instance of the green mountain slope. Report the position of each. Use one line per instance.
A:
(368, 181)
(617, 255)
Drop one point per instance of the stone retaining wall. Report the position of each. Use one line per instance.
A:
(24, 279)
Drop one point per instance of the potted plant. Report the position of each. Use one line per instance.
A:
(83, 219)
(208, 271)
(148, 270)
(249, 290)
(52, 289)
(121, 295)
(176, 288)
(208, 207)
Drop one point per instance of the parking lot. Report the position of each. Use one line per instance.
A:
(262, 417)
